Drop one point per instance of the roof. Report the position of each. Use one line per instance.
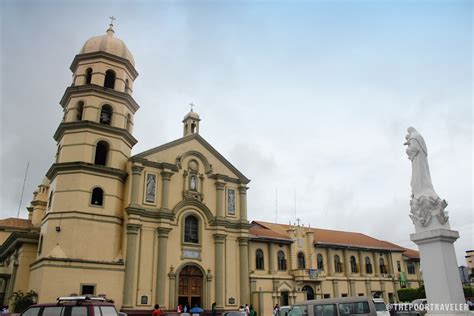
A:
(411, 254)
(326, 237)
(16, 223)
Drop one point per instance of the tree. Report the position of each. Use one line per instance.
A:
(22, 301)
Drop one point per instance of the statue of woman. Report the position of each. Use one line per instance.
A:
(420, 173)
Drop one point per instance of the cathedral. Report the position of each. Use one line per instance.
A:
(170, 225)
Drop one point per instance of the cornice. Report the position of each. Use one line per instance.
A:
(157, 165)
(67, 167)
(125, 97)
(74, 260)
(86, 56)
(352, 247)
(71, 126)
(270, 240)
(149, 213)
(16, 240)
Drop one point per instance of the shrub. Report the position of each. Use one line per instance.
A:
(407, 295)
(22, 301)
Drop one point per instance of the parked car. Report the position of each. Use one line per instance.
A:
(381, 307)
(419, 306)
(284, 310)
(344, 306)
(74, 305)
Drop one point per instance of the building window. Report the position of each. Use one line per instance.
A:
(101, 152)
(88, 75)
(399, 267)
(129, 123)
(281, 261)
(383, 268)
(353, 265)
(368, 265)
(106, 114)
(301, 262)
(320, 262)
(79, 111)
(191, 229)
(337, 264)
(127, 85)
(109, 81)
(87, 289)
(259, 264)
(97, 197)
(411, 267)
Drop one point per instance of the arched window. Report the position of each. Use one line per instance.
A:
(301, 262)
(353, 265)
(337, 264)
(88, 75)
(79, 111)
(411, 267)
(368, 265)
(383, 269)
(259, 265)
(191, 229)
(193, 128)
(101, 151)
(281, 261)
(109, 81)
(106, 114)
(97, 197)
(320, 262)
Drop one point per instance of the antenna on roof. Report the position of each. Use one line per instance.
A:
(22, 190)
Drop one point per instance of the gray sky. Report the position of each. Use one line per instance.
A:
(310, 99)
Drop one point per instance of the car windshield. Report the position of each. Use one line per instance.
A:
(380, 307)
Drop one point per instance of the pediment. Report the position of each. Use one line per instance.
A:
(176, 153)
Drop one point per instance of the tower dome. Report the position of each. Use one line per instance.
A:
(108, 43)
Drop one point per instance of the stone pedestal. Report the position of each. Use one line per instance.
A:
(435, 240)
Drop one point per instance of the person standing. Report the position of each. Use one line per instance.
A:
(214, 312)
(252, 311)
(276, 310)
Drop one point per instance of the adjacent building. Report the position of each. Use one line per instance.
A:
(169, 225)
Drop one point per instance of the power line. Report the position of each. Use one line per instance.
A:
(22, 190)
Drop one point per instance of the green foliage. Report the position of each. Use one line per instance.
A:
(421, 291)
(468, 291)
(22, 301)
(408, 295)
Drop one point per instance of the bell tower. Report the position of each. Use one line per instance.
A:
(83, 218)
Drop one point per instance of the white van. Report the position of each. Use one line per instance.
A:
(344, 306)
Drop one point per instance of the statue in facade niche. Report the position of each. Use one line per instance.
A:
(425, 203)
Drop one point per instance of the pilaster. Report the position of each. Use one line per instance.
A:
(219, 257)
(243, 202)
(162, 234)
(220, 199)
(130, 265)
(244, 270)
(165, 188)
(136, 175)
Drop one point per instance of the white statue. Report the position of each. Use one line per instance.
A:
(420, 174)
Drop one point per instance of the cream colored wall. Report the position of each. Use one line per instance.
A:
(253, 246)
(26, 256)
(62, 279)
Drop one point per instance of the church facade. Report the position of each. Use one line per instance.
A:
(169, 225)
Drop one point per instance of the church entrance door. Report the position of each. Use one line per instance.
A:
(190, 286)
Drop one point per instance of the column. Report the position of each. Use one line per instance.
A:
(172, 280)
(368, 288)
(243, 202)
(384, 291)
(335, 288)
(329, 263)
(136, 175)
(209, 277)
(361, 263)
(352, 289)
(219, 240)
(244, 270)
(220, 199)
(165, 189)
(161, 269)
(271, 258)
(130, 261)
(376, 265)
(390, 264)
(347, 263)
